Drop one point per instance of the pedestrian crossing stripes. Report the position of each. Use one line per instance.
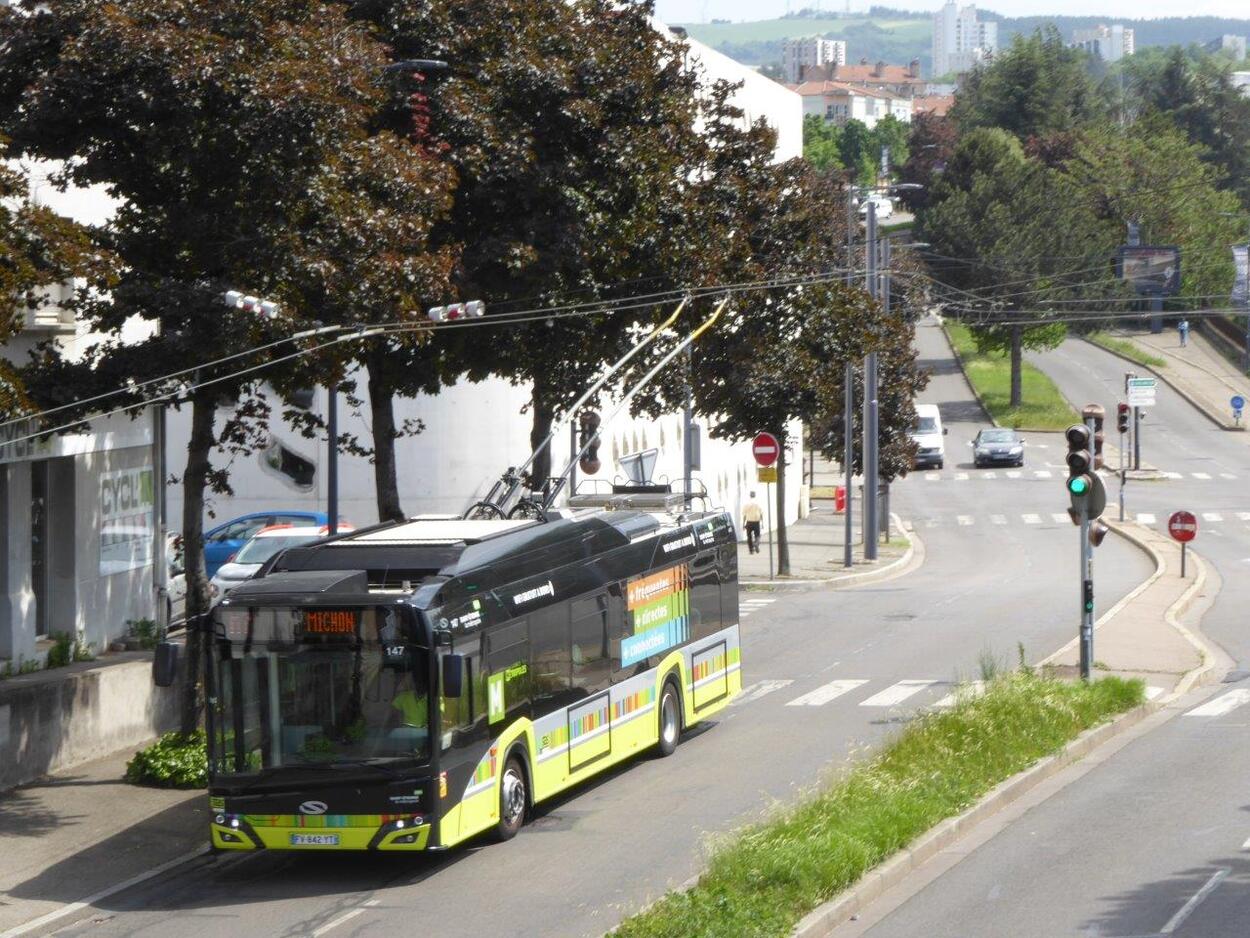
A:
(759, 689)
(1222, 705)
(754, 604)
(1144, 517)
(1013, 473)
(965, 692)
(998, 519)
(892, 696)
(1041, 473)
(964, 521)
(1212, 516)
(1031, 519)
(1060, 517)
(1200, 475)
(826, 693)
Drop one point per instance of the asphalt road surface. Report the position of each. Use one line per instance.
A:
(1154, 841)
(823, 675)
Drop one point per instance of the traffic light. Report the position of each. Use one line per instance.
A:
(1096, 413)
(1121, 417)
(1080, 466)
(588, 441)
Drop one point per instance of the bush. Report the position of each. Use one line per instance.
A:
(173, 761)
(144, 630)
(62, 651)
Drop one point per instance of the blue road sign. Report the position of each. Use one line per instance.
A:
(1238, 402)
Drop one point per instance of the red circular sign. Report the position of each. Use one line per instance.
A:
(1183, 526)
(766, 449)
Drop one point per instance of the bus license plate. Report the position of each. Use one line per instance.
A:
(314, 840)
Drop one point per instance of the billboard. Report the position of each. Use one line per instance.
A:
(127, 531)
(1150, 270)
(1241, 281)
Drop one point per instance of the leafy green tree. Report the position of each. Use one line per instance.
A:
(820, 143)
(893, 135)
(1038, 85)
(859, 151)
(217, 126)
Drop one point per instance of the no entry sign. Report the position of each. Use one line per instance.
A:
(765, 448)
(1183, 526)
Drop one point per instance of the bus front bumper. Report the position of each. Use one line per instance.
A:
(237, 832)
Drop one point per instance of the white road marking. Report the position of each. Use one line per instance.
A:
(1227, 475)
(1225, 703)
(822, 695)
(998, 519)
(989, 475)
(965, 521)
(897, 693)
(1200, 475)
(1212, 516)
(758, 690)
(1173, 475)
(1243, 516)
(1040, 445)
(1041, 473)
(1145, 517)
(932, 476)
(328, 926)
(1032, 519)
(961, 477)
(1187, 909)
(1246, 845)
(1152, 692)
(965, 691)
(1060, 517)
(1013, 473)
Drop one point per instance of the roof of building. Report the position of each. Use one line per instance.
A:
(839, 87)
(937, 104)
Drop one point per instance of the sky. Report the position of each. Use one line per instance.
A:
(697, 11)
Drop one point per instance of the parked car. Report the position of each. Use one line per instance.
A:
(224, 540)
(997, 448)
(928, 433)
(267, 542)
(885, 207)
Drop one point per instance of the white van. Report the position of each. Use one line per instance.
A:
(928, 433)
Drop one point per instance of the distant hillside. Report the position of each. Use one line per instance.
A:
(898, 36)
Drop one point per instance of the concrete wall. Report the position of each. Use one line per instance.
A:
(17, 632)
(52, 721)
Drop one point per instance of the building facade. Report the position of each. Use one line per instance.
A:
(1109, 43)
(1235, 46)
(809, 51)
(837, 103)
(961, 41)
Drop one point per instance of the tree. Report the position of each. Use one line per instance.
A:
(859, 151)
(1037, 86)
(820, 143)
(216, 125)
(929, 148)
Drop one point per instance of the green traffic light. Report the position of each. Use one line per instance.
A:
(1079, 485)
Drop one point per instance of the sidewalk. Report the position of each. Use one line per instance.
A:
(72, 835)
(1142, 635)
(1197, 372)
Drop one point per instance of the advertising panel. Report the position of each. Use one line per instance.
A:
(127, 527)
(1150, 271)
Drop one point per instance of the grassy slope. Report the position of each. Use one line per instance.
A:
(1044, 407)
(774, 873)
(1127, 349)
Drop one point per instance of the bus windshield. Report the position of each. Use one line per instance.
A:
(316, 688)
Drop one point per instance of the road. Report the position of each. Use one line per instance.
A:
(1000, 573)
(1155, 840)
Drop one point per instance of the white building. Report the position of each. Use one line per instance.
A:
(960, 40)
(1235, 46)
(1241, 80)
(1109, 43)
(839, 102)
(809, 51)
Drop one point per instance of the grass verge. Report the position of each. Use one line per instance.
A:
(772, 874)
(1130, 350)
(1043, 407)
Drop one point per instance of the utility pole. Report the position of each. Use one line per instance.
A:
(332, 458)
(687, 456)
(870, 403)
(848, 453)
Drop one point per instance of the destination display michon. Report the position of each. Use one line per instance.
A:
(412, 685)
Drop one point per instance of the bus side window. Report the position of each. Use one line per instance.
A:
(508, 654)
(705, 606)
(590, 643)
(550, 659)
(460, 713)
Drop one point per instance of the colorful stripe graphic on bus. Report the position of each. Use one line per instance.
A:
(659, 609)
(633, 703)
(321, 820)
(589, 722)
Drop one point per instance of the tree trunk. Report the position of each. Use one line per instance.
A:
(783, 546)
(194, 482)
(544, 415)
(1017, 344)
(382, 412)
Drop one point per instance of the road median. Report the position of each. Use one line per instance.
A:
(770, 876)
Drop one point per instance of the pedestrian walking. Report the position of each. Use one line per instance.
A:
(752, 515)
(1183, 328)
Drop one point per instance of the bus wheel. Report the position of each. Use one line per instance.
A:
(670, 718)
(512, 800)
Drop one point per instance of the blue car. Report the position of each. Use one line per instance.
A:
(222, 541)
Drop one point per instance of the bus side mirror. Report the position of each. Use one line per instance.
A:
(453, 675)
(165, 664)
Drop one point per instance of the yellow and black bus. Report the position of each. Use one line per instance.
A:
(414, 684)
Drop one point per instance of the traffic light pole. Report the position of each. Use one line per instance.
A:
(1087, 598)
(848, 455)
(870, 405)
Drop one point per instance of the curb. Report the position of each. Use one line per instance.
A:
(895, 568)
(1215, 418)
(825, 918)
